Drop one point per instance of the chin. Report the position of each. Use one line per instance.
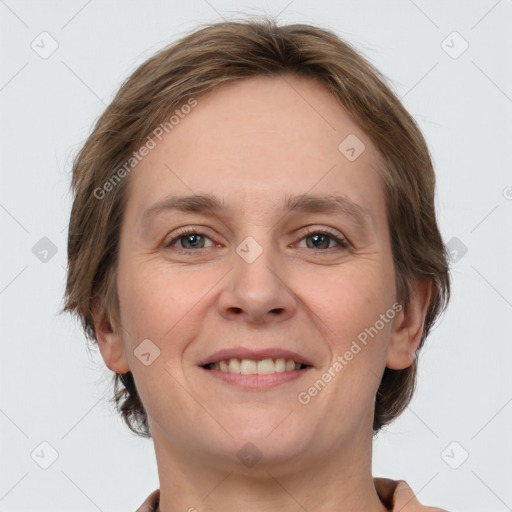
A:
(264, 440)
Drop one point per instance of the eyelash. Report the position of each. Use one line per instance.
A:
(342, 242)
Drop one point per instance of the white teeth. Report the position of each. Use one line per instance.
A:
(248, 367)
(266, 366)
(234, 366)
(280, 365)
(252, 367)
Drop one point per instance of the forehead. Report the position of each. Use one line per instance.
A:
(256, 140)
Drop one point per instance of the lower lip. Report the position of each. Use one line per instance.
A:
(257, 381)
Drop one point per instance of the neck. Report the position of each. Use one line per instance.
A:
(340, 481)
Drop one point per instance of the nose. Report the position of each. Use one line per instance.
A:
(257, 292)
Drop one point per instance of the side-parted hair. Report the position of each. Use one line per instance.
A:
(204, 59)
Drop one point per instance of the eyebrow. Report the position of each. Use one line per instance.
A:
(303, 203)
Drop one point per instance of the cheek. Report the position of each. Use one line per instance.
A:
(158, 303)
(356, 310)
(350, 298)
(350, 305)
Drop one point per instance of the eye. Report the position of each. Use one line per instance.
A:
(189, 239)
(321, 239)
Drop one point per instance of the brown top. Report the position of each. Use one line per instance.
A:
(396, 495)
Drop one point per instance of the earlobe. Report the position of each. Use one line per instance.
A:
(408, 327)
(110, 343)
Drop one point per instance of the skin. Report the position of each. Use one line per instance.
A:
(252, 143)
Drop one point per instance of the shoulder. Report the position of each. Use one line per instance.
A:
(396, 495)
(151, 502)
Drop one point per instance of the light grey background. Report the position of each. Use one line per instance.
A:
(53, 392)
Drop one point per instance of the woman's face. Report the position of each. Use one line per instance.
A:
(290, 259)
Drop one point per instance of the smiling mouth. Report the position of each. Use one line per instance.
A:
(266, 366)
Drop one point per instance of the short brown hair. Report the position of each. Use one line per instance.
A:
(213, 55)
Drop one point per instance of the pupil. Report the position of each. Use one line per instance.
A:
(318, 240)
(193, 240)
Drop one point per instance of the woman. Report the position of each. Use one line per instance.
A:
(253, 245)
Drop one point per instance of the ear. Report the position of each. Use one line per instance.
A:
(408, 327)
(110, 342)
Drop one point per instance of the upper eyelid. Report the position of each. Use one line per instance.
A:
(327, 231)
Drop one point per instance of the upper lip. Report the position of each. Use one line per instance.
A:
(255, 354)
